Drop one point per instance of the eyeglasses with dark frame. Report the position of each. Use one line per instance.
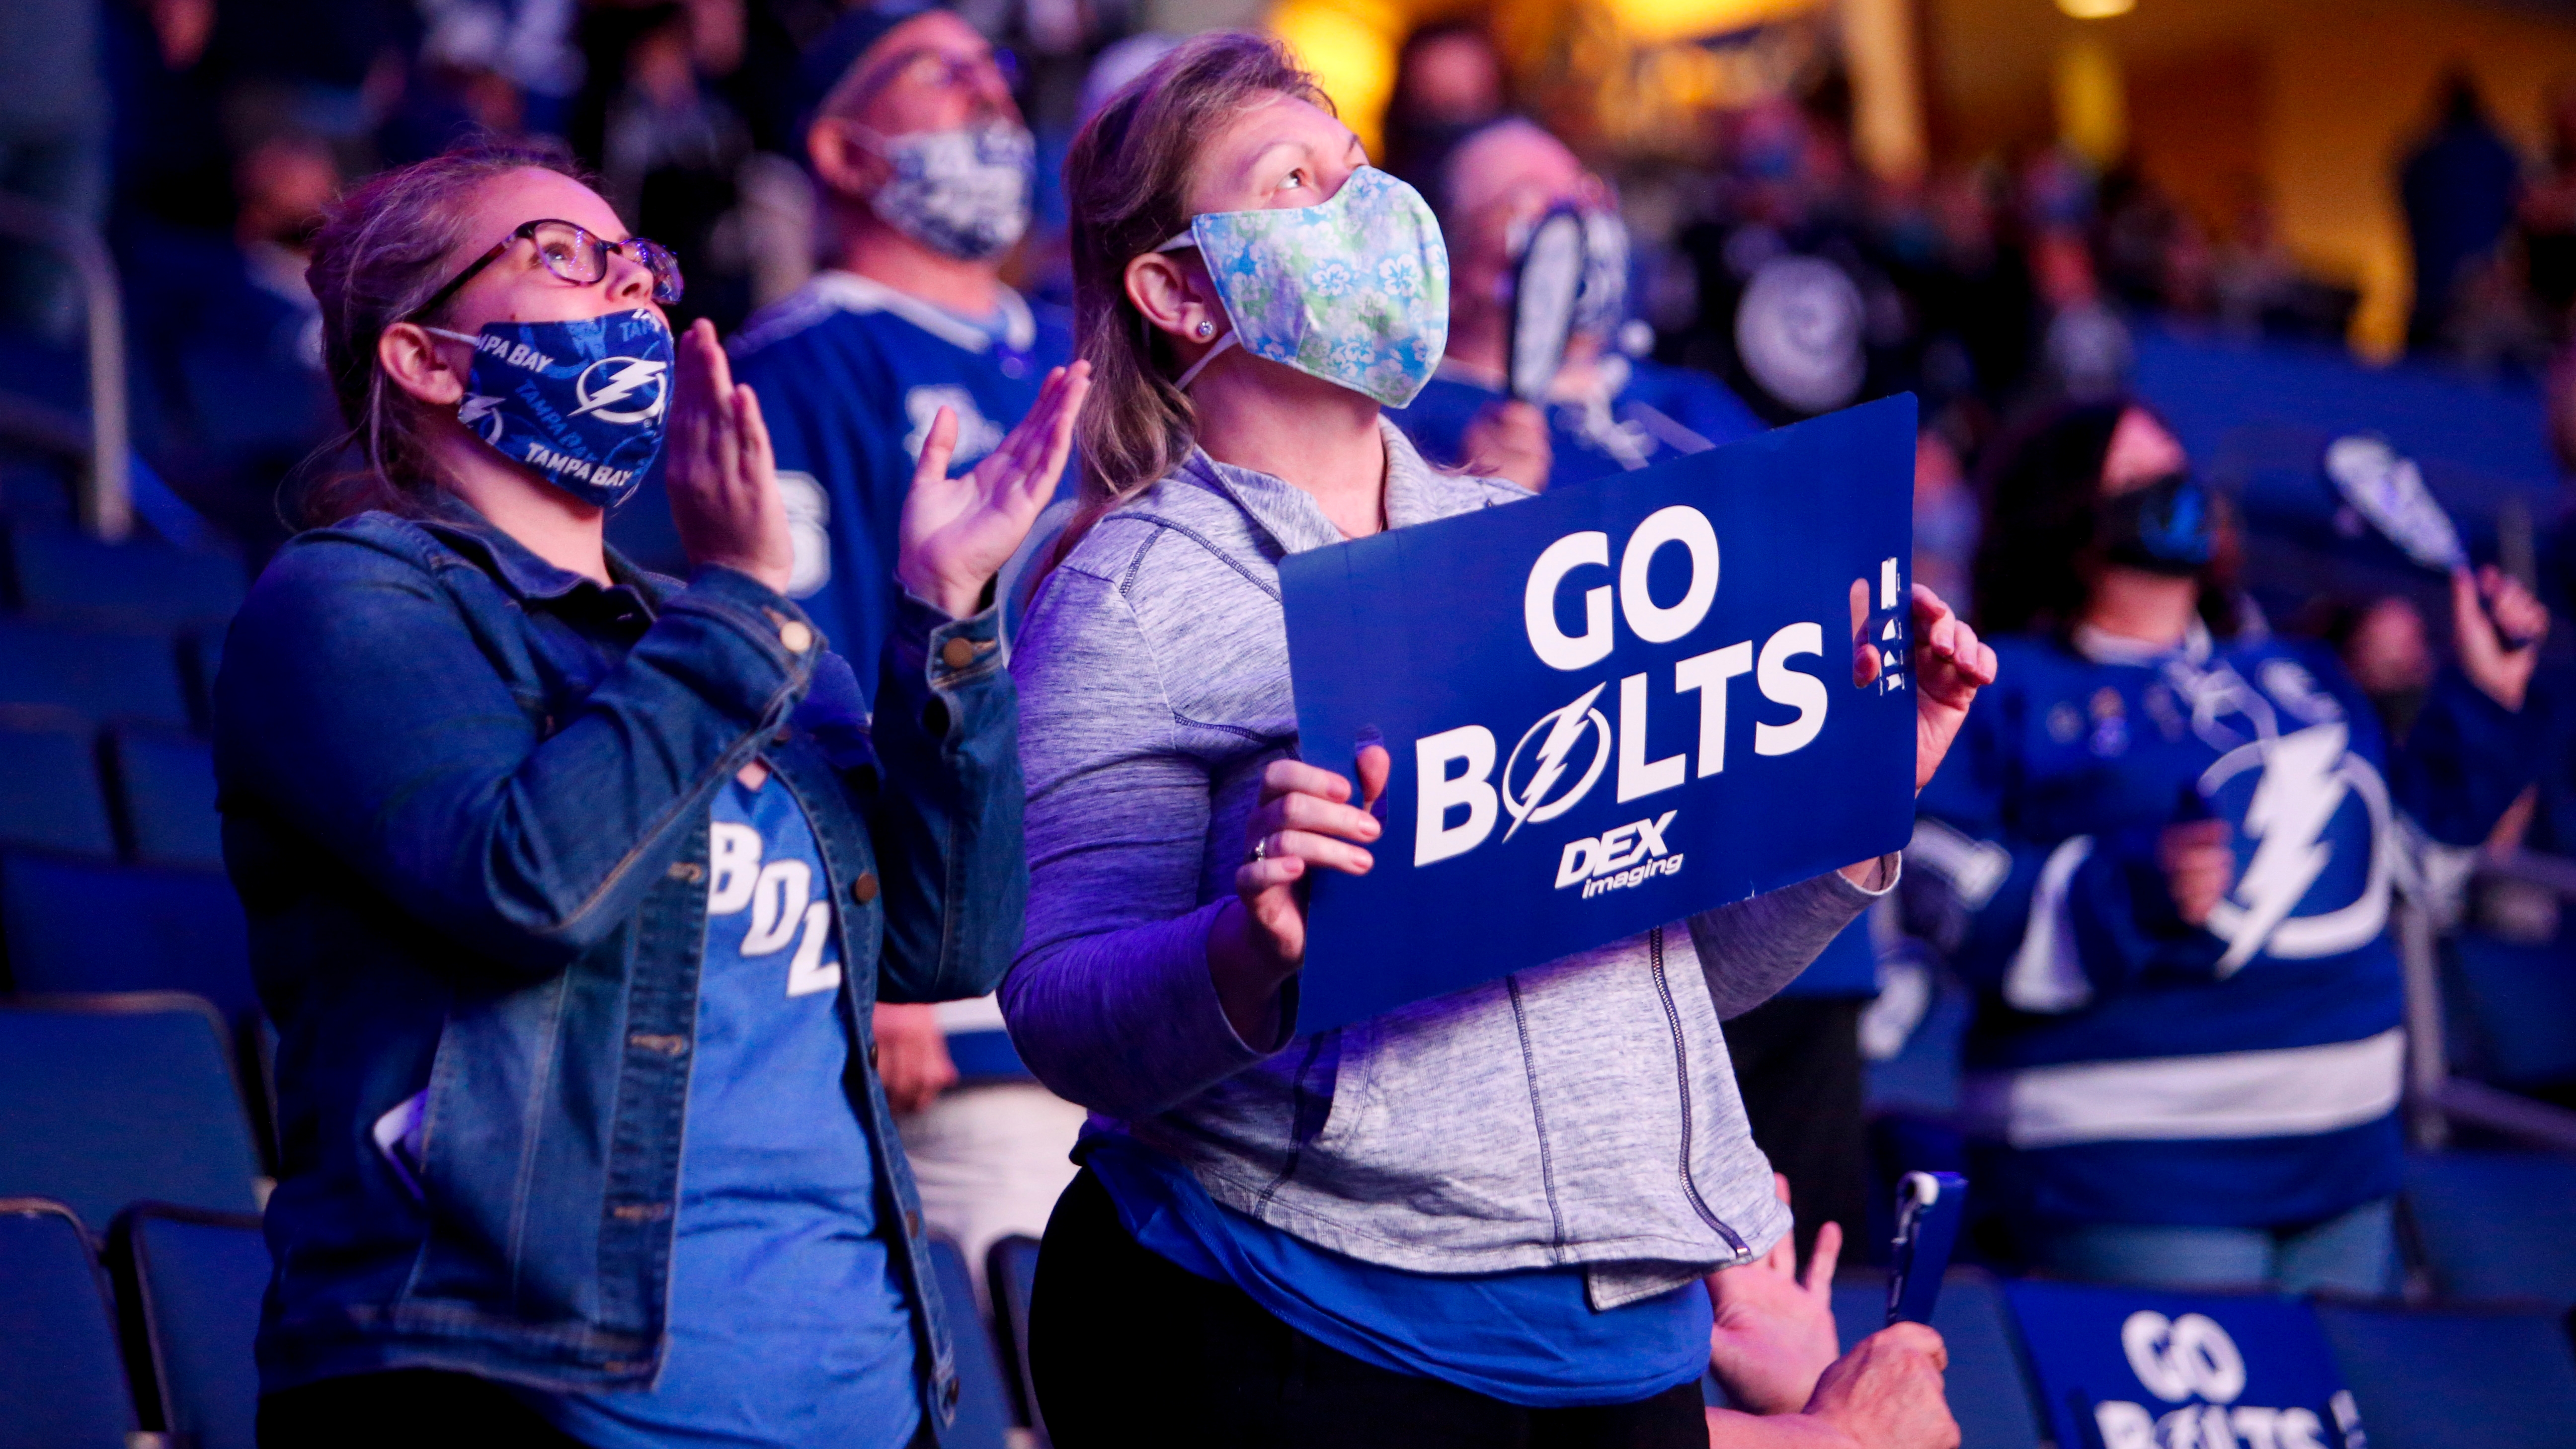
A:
(572, 253)
(936, 68)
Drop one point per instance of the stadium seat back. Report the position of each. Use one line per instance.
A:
(99, 675)
(2456, 1378)
(49, 793)
(1011, 1267)
(2522, 1003)
(192, 1283)
(1989, 1389)
(166, 784)
(110, 1101)
(62, 573)
(79, 926)
(983, 1402)
(2497, 1224)
(61, 1382)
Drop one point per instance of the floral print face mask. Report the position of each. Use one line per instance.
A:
(1354, 290)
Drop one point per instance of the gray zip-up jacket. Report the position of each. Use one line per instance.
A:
(1581, 1112)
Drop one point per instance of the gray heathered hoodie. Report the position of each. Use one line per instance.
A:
(1579, 1112)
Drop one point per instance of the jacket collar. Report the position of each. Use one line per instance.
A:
(1415, 493)
(517, 569)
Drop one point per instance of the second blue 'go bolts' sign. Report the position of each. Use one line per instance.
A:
(1611, 707)
(2125, 1368)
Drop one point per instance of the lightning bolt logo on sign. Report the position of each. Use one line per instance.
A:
(1564, 728)
(1694, 624)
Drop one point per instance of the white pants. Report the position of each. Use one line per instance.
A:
(991, 1160)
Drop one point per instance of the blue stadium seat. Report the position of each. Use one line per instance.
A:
(79, 926)
(983, 1401)
(62, 573)
(201, 658)
(1989, 1390)
(60, 1379)
(49, 793)
(34, 488)
(98, 675)
(1011, 1269)
(2497, 1224)
(2456, 1378)
(191, 1284)
(2522, 1002)
(109, 1101)
(166, 784)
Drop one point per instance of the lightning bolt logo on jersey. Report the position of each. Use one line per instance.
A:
(582, 402)
(2311, 818)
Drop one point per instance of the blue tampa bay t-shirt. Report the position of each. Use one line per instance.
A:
(788, 1326)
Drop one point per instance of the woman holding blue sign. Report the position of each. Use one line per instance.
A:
(571, 886)
(1483, 1218)
(2173, 841)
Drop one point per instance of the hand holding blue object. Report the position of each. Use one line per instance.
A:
(1929, 1206)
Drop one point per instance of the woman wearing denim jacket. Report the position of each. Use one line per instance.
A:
(1481, 1219)
(571, 887)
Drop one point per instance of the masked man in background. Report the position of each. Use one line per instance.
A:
(924, 171)
(1605, 412)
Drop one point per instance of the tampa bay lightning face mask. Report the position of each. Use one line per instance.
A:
(583, 403)
(2166, 527)
(1354, 290)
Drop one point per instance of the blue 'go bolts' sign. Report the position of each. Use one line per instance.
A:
(2123, 1368)
(1611, 707)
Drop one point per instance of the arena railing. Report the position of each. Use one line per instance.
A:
(2437, 1099)
(106, 502)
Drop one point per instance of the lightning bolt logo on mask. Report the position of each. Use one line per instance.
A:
(583, 402)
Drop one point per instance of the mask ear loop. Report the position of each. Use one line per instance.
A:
(466, 338)
(1216, 349)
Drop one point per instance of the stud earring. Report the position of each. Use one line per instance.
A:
(1206, 327)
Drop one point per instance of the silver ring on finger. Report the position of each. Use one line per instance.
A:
(1260, 851)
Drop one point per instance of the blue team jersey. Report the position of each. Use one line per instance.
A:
(850, 373)
(788, 1325)
(2137, 1069)
(1647, 414)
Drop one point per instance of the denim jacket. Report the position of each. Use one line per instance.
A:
(466, 800)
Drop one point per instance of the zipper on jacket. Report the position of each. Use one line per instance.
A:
(1681, 1069)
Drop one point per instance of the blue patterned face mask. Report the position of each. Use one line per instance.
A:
(963, 193)
(1354, 290)
(582, 403)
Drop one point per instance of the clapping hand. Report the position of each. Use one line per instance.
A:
(722, 479)
(958, 532)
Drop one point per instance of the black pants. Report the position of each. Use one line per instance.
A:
(1131, 1352)
(404, 1409)
(1797, 1063)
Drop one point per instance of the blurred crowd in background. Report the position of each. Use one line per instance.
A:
(205, 138)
